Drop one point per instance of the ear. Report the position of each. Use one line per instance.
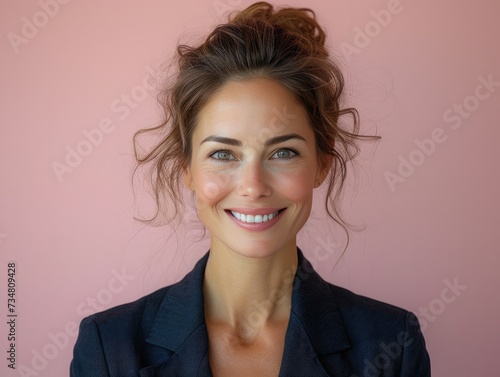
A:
(188, 178)
(324, 166)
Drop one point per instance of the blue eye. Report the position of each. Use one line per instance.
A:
(284, 154)
(222, 155)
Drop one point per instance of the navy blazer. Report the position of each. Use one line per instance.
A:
(331, 332)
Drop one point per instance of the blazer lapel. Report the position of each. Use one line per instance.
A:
(191, 359)
(314, 342)
(178, 336)
(316, 335)
(299, 356)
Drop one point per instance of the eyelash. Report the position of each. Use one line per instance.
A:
(295, 153)
(211, 154)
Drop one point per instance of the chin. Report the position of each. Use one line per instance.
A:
(258, 250)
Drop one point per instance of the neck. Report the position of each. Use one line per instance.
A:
(249, 293)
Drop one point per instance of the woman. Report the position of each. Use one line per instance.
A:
(251, 129)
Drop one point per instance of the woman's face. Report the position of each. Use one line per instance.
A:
(253, 168)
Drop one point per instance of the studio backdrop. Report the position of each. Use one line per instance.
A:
(79, 78)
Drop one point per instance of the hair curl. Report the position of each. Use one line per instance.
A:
(287, 45)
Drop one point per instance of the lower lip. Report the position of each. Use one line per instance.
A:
(256, 226)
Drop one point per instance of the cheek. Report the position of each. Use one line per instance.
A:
(211, 187)
(298, 186)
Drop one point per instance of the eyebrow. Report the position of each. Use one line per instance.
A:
(237, 143)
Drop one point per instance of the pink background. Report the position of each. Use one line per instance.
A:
(435, 226)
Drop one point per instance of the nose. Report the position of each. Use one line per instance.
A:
(253, 181)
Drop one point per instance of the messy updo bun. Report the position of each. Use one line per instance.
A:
(299, 23)
(287, 45)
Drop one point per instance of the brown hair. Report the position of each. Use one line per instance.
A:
(287, 45)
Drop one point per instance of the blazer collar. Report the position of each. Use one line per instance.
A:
(315, 331)
(179, 327)
(316, 335)
(315, 306)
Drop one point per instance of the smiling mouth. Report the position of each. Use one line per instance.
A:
(255, 218)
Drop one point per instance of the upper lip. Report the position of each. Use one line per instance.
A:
(255, 211)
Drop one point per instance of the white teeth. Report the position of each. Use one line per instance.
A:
(254, 219)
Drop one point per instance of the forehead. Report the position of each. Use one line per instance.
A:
(252, 107)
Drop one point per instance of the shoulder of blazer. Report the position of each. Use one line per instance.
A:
(145, 309)
(384, 331)
(133, 320)
(315, 297)
(113, 342)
